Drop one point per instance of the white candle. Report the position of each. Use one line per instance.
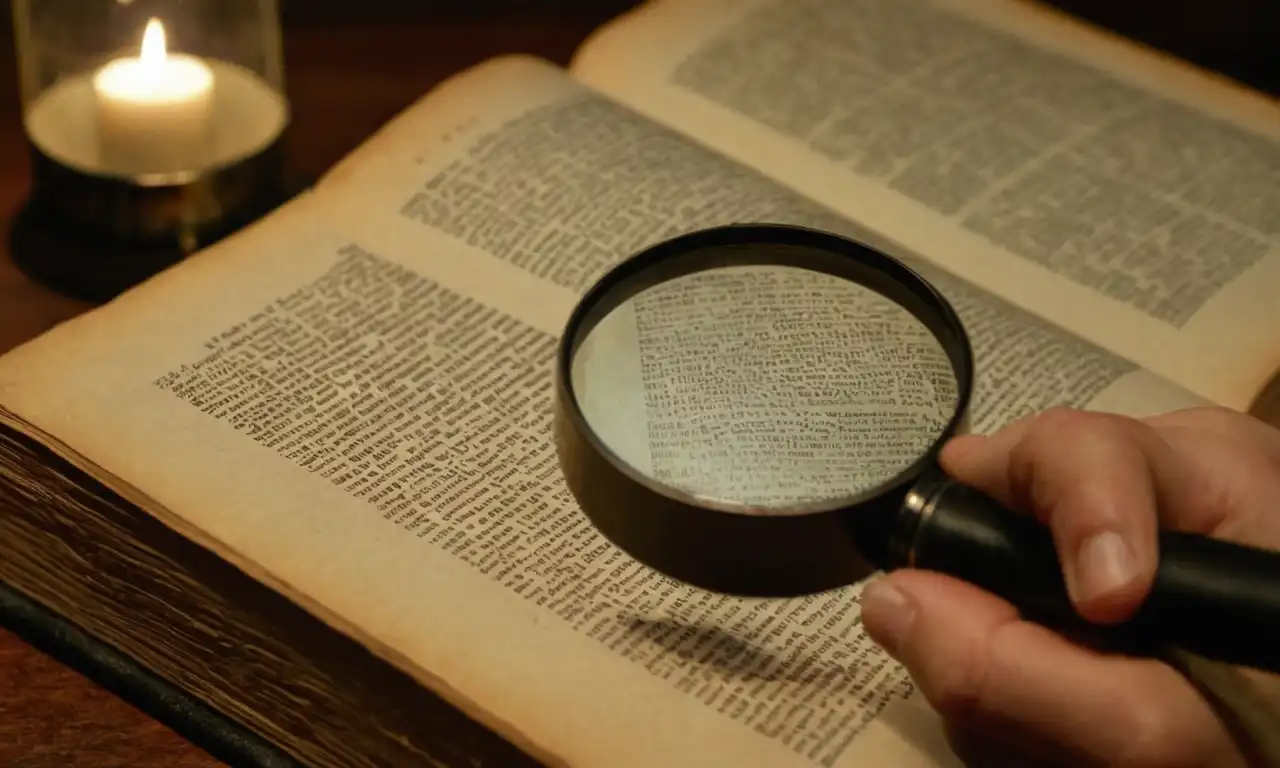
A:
(154, 111)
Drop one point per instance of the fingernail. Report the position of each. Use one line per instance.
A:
(1103, 564)
(888, 612)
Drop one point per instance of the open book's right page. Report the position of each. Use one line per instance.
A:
(1116, 193)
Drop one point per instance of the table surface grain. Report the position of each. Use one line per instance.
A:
(344, 82)
(346, 77)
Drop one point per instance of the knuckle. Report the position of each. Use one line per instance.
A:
(1045, 429)
(1062, 427)
(954, 693)
(1061, 444)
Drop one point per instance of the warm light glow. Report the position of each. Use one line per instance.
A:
(156, 75)
(153, 45)
(154, 110)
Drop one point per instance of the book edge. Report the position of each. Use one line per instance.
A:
(203, 726)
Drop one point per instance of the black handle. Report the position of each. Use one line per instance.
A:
(1215, 598)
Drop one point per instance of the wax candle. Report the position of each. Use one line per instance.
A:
(154, 111)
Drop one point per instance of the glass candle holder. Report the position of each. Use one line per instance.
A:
(155, 128)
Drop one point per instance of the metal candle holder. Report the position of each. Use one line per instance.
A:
(155, 128)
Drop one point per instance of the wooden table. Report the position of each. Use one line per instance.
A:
(345, 81)
(346, 78)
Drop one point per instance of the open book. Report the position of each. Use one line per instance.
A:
(349, 401)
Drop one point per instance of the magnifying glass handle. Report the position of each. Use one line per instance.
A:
(1211, 597)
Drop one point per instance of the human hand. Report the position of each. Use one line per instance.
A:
(1103, 484)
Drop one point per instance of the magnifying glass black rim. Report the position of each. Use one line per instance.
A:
(767, 245)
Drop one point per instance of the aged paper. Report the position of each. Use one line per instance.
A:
(363, 425)
(1110, 191)
(350, 401)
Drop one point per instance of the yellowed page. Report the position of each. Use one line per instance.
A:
(1113, 192)
(350, 401)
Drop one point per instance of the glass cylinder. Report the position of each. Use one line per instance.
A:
(152, 120)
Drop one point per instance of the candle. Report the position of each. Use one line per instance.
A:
(154, 111)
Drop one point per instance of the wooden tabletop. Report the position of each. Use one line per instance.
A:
(345, 80)
(346, 77)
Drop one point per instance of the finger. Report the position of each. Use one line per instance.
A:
(1238, 461)
(1089, 477)
(1230, 488)
(1103, 483)
(983, 668)
(1086, 475)
(981, 460)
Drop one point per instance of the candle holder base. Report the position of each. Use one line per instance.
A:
(92, 238)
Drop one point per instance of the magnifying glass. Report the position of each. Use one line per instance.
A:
(758, 409)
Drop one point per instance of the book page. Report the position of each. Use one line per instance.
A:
(351, 402)
(1105, 188)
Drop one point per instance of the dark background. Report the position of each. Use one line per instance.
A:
(361, 69)
(1238, 37)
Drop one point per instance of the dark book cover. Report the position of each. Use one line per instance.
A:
(194, 721)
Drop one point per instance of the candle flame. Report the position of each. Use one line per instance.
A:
(153, 43)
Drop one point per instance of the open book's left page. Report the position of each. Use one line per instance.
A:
(350, 401)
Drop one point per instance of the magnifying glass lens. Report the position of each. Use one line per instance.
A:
(763, 386)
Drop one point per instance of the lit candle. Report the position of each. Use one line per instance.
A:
(154, 111)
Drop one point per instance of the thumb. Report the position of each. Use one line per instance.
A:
(986, 670)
